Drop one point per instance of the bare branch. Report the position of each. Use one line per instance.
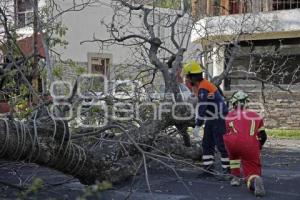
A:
(116, 39)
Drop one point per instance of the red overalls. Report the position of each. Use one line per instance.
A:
(242, 144)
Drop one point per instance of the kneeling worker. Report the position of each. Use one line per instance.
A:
(244, 138)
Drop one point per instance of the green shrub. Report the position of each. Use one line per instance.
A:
(283, 133)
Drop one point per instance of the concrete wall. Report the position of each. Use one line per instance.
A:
(86, 25)
(261, 25)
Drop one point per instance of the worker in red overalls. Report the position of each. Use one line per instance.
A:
(244, 138)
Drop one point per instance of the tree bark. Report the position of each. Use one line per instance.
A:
(48, 143)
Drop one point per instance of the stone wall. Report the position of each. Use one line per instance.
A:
(280, 109)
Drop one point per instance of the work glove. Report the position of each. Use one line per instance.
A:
(196, 133)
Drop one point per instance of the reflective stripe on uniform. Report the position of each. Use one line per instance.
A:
(225, 166)
(249, 180)
(231, 125)
(225, 162)
(208, 159)
(235, 164)
(252, 128)
(208, 162)
(204, 157)
(224, 159)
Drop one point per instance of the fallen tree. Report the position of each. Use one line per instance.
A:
(116, 151)
(101, 153)
(49, 143)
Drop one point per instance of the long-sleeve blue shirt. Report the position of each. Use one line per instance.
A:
(211, 104)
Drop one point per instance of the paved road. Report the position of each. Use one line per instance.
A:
(281, 170)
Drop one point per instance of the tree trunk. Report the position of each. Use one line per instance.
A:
(44, 143)
(48, 143)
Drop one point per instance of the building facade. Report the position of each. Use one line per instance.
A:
(260, 41)
(19, 15)
(267, 33)
(87, 22)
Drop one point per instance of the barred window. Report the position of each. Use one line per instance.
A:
(285, 4)
(99, 63)
(225, 7)
(24, 12)
(237, 6)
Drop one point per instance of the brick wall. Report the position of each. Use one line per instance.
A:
(280, 109)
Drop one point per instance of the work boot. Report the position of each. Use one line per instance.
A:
(235, 181)
(259, 189)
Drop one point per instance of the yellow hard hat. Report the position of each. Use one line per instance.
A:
(192, 67)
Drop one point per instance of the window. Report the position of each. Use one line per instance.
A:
(285, 4)
(237, 6)
(99, 63)
(233, 7)
(24, 12)
(225, 7)
(215, 6)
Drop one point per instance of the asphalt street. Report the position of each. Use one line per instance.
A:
(281, 173)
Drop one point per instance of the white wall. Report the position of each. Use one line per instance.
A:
(250, 23)
(85, 25)
(222, 29)
(218, 58)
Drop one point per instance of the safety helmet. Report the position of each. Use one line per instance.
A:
(239, 96)
(192, 67)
